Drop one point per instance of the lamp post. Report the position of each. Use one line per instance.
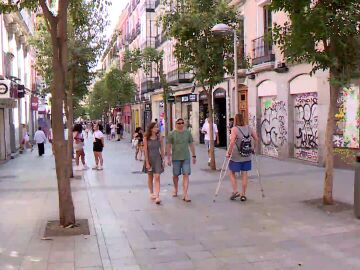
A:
(222, 28)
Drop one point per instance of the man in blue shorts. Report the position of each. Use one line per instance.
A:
(178, 143)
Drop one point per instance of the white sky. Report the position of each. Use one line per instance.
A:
(114, 13)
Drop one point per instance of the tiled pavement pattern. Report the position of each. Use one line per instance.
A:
(128, 232)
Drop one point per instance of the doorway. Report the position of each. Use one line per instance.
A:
(243, 104)
(203, 112)
(220, 115)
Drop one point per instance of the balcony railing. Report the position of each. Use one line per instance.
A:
(262, 51)
(159, 40)
(150, 5)
(178, 76)
(149, 85)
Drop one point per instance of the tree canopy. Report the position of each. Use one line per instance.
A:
(207, 54)
(323, 33)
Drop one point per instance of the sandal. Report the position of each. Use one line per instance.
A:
(157, 200)
(186, 200)
(174, 194)
(243, 198)
(152, 196)
(234, 195)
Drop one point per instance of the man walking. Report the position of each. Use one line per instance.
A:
(178, 143)
(206, 130)
(40, 139)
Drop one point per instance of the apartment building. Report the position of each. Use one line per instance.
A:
(18, 105)
(287, 106)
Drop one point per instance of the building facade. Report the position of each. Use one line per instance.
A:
(17, 81)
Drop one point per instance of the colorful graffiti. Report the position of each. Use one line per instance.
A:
(306, 138)
(273, 125)
(348, 118)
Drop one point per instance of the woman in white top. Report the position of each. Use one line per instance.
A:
(78, 145)
(98, 147)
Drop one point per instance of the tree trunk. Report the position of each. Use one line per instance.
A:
(211, 128)
(69, 110)
(58, 33)
(329, 145)
(165, 87)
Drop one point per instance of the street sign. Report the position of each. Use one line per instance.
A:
(147, 107)
(171, 99)
(185, 98)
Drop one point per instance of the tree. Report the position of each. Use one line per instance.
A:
(150, 59)
(198, 49)
(325, 34)
(56, 20)
(111, 90)
(85, 44)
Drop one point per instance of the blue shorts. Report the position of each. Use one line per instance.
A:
(181, 167)
(240, 166)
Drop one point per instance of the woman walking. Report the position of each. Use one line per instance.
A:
(139, 136)
(154, 156)
(239, 152)
(78, 145)
(98, 146)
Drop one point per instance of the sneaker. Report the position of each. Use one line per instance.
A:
(95, 167)
(100, 168)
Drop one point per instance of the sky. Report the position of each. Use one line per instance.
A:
(114, 13)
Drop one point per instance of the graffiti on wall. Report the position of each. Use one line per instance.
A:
(306, 137)
(347, 118)
(252, 121)
(273, 125)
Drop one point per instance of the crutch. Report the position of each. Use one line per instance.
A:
(259, 176)
(223, 172)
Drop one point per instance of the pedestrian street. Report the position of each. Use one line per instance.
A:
(128, 231)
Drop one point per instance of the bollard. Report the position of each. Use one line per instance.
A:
(357, 187)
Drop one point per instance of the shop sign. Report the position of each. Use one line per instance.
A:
(185, 98)
(8, 103)
(5, 89)
(147, 107)
(171, 99)
(220, 93)
(21, 91)
(34, 103)
(203, 96)
(192, 97)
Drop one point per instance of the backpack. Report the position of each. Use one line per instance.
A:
(244, 148)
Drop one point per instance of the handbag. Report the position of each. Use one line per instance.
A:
(134, 143)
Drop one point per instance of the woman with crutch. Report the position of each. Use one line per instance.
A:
(239, 152)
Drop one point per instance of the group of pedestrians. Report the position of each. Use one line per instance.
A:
(114, 131)
(180, 152)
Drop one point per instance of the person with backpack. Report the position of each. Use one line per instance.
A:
(240, 151)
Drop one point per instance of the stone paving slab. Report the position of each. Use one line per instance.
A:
(128, 231)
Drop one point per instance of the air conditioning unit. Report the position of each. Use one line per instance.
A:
(280, 67)
(5, 89)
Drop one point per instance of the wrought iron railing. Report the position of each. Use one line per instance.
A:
(262, 51)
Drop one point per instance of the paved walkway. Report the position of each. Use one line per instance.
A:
(128, 232)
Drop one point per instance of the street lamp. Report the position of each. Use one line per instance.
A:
(222, 28)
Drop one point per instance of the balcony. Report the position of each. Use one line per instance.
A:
(149, 85)
(150, 5)
(159, 40)
(262, 51)
(178, 76)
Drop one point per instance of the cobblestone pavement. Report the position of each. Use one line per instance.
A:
(129, 232)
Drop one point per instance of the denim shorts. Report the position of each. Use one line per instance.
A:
(181, 167)
(240, 166)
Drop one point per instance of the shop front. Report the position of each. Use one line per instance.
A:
(220, 118)
(203, 112)
(147, 115)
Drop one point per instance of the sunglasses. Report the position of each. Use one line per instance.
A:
(180, 123)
